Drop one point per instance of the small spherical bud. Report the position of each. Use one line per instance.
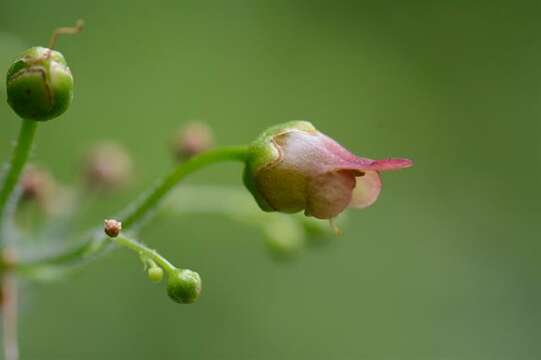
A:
(107, 167)
(192, 139)
(112, 227)
(155, 274)
(39, 84)
(184, 286)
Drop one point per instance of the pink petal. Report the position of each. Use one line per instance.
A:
(367, 189)
(338, 157)
(364, 164)
(329, 194)
(391, 164)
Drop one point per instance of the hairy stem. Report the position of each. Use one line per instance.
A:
(15, 167)
(134, 214)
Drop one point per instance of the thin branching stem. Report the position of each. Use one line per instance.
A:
(136, 213)
(145, 252)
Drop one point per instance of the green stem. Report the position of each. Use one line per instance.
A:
(135, 213)
(144, 251)
(15, 167)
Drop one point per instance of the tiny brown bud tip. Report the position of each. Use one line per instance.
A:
(112, 227)
(191, 140)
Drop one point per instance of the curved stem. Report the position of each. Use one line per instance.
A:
(147, 202)
(134, 214)
(15, 167)
(143, 250)
(66, 31)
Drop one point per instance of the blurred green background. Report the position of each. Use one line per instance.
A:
(446, 265)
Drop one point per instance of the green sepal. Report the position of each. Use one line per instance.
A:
(263, 153)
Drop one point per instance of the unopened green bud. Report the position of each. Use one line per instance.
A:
(184, 286)
(284, 236)
(155, 274)
(39, 84)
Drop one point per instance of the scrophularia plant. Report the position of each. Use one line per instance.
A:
(290, 168)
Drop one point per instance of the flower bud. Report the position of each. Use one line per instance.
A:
(107, 167)
(184, 286)
(39, 84)
(192, 139)
(112, 228)
(40, 187)
(284, 237)
(294, 167)
(36, 185)
(155, 273)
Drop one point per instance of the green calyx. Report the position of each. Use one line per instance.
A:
(39, 84)
(184, 286)
(263, 152)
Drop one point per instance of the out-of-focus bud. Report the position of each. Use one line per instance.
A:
(155, 273)
(36, 185)
(192, 139)
(184, 286)
(112, 228)
(39, 186)
(284, 236)
(39, 84)
(294, 167)
(108, 167)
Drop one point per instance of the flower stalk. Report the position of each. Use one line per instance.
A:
(136, 213)
(20, 155)
(145, 252)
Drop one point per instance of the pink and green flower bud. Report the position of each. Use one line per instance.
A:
(293, 167)
(39, 84)
(184, 286)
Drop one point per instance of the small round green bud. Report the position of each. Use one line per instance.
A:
(155, 274)
(39, 84)
(184, 286)
(284, 237)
